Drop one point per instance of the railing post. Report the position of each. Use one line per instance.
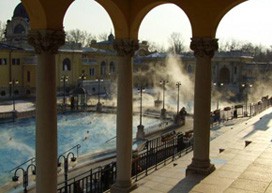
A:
(156, 154)
(173, 148)
(146, 157)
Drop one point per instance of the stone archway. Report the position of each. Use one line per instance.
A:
(47, 35)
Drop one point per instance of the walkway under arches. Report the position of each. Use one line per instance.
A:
(47, 36)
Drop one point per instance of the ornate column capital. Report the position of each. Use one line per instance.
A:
(46, 40)
(204, 47)
(125, 47)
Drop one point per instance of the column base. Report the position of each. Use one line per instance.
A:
(140, 135)
(201, 167)
(122, 187)
(99, 107)
(163, 113)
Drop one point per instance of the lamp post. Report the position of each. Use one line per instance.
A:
(83, 100)
(218, 85)
(64, 79)
(163, 110)
(15, 178)
(99, 104)
(12, 84)
(66, 166)
(140, 128)
(246, 87)
(82, 77)
(178, 85)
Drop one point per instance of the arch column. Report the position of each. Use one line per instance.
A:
(204, 49)
(46, 44)
(125, 49)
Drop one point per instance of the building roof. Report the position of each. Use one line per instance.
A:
(97, 50)
(233, 53)
(20, 11)
(9, 47)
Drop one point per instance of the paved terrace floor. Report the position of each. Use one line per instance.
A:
(239, 168)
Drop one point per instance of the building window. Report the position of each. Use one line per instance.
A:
(66, 64)
(224, 75)
(15, 61)
(3, 93)
(112, 67)
(28, 76)
(235, 70)
(16, 92)
(19, 29)
(103, 68)
(92, 71)
(3, 61)
(28, 92)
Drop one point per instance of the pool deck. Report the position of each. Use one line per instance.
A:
(244, 164)
(241, 152)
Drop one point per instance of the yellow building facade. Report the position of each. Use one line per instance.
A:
(74, 64)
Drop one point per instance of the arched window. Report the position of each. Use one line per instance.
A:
(66, 64)
(3, 93)
(16, 92)
(28, 76)
(92, 71)
(28, 92)
(103, 69)
(224, 76)
(112, 67)
(19, 29)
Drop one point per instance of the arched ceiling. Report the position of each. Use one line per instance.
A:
(46, 14)
(127, 15)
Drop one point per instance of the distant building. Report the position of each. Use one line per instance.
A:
(86, 65)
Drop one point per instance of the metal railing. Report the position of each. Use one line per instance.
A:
(72, 149)
(156, 152)
(93, 181)
(238, 111)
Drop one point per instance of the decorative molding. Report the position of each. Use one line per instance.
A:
(204, 47)
(125, 47)
(46, 40)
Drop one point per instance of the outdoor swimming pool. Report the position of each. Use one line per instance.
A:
(92, 131)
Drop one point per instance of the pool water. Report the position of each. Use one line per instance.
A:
(92, 131)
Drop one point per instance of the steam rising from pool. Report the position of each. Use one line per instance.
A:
(92, 131)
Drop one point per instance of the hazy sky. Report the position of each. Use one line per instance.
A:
(250, 21)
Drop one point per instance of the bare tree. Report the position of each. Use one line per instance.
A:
(176, 43)
(230, 45)
(89, 38)
(155, 47)
(259, 52)
(2, 30)
(103, 37)
(79, 37)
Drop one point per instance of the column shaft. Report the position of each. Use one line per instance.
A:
(204, 50)
(202, 108)
(46, 44)
(124, 120)
(46, 124)
(125, 49)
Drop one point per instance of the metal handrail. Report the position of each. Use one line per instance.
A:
(76, 146)
(32, 160)
(156, 152)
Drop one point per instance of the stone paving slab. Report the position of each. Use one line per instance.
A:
(244, 165)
